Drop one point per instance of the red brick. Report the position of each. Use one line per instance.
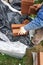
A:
(24, 9)
(25, 6)
(15, 32)
(20, 25)
(27, 2)
(32, 10)
(16, 26)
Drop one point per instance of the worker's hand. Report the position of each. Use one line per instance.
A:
(22, 31)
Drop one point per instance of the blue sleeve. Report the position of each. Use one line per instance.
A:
(33, 25)
(37, 22)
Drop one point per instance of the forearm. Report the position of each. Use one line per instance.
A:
(33, 25)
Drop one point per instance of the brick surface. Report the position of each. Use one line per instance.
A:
(33, 9)
(24, 9)
(20, 25)
(15, 32)
(27, 2)
(16, 26)
(28, 7)
(25, 6)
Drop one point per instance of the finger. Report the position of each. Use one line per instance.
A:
(18, 33)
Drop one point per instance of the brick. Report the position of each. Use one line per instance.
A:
(20, 25)
(33, 9)
(27, 2)
(25, 6)
(15, 32)
(24, 9)
(16, 26)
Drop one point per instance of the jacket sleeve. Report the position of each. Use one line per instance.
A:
(33, 25)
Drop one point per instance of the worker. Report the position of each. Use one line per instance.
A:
(34, 24)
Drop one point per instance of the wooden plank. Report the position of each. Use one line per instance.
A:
(35, 58)
(41, 58)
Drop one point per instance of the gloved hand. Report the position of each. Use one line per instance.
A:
(22, 31)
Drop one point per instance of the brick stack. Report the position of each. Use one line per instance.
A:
(25, 5)
(16, 28)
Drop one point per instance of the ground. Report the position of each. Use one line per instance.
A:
(26, 60)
